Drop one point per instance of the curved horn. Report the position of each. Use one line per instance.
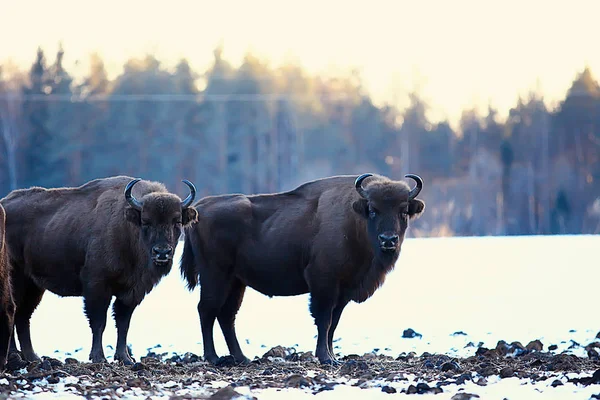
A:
(129, 197)
(190, 199)
(358, 185)
(417, 189)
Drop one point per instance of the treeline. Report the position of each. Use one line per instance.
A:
(261, 129)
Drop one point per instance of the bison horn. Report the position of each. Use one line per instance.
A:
(358, 185)
(190, 199)
(417, 189)
(130, 198)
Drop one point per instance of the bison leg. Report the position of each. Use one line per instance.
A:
(96, 307)
(13, 343)
(321, 308)
(335, 319)
(6, 330)
(226, 319)
(214, 291)
(207, 322)
(122, 313)
(28, 301)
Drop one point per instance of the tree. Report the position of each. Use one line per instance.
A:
(209, 123)
(507, 157)
(37, 146)
(62, 125)
(138, 128)
(10, 129)
(414, 126)
(249, 130)
(577, 137)
(92, 109)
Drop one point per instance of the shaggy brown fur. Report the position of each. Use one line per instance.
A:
(92, 241)
(7, 304)
(326, 237)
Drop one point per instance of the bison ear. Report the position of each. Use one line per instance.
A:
(361, 207)
(190, 216)
(134, 216)
(415, 208)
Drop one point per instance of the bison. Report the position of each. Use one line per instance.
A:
(109, 237)
(7, 305)
(335, 238)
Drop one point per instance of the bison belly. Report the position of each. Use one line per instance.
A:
(65, 285)
(273, 279)
(60, 275)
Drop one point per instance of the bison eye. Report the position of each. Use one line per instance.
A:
(372, 212)
(145, 222)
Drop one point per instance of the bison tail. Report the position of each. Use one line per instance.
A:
(188, 260)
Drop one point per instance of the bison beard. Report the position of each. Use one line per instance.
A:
(7, 305)
(98, 240)
(335, 238)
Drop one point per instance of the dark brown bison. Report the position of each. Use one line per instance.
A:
(109, 237)
(335, 238)
(7, 305)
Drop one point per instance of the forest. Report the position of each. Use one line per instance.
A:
(257, 129)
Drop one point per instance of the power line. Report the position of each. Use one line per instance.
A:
(170, 97)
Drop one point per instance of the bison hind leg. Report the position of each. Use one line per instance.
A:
(215, 288)
(226, 319)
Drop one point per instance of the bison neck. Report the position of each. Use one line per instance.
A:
(371, 276)
(138, 274)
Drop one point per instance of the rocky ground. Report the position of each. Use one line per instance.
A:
(187, 376)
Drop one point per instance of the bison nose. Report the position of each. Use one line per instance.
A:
(162, 251)
(388, 241)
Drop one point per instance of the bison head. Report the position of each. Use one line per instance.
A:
(161, 217)
(387, 206)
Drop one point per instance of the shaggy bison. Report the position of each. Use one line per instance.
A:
(7, 305)
(335, 238)
(108, 237)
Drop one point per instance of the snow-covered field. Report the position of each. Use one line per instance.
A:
(493, 288)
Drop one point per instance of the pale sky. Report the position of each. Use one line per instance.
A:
(458, 53)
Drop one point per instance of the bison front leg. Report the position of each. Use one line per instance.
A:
(29, 300)
(122, 313)
(321, 308)
(335, 319)
(96, 307)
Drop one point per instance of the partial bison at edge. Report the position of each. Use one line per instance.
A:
(109, 237)
(7, 305)
(335, 238)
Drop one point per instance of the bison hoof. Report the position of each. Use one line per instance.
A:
(98, 358)
(126, 360)
(242, 360)
(214, 359)
(226, 361)
(330, 361)
(31, 357)
(123, 356)
(15, 362)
